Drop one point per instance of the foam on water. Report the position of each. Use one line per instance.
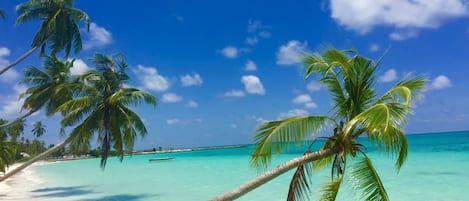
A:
(435, 171)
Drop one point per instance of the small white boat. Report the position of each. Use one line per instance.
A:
(160, 159)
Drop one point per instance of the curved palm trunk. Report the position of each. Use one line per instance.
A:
(18, 119)
(277, 171)
(36, 158)
(19, 59)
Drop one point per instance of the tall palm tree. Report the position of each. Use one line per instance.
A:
(357, 111)
(59, 26)
(50, 88)
(102, 108)
(38, 129)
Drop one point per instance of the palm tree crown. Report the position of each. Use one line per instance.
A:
(102, 107)
(357, 111)
(59, 24)
(38, 129)
(50, 88)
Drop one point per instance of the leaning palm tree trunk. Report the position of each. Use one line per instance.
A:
(19, 59)
(277, 171)
(36, 158)
(18, 119)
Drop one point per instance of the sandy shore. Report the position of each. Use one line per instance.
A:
(18, 186)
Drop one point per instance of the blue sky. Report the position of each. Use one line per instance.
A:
(220, 68)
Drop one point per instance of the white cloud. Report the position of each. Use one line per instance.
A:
(192, 104)
(10, 105)
(314, 86)
(306, 100)
(172, 121)
(230, 52)
(388, 76)
(252, 84)
(79, 67)
(252, 40)
(301, 99)
(194, 80)
(291, 53)
(256, 25)
(171, 98)
(250, 66)
(374, 47)
(403, 35)
(440, 82)
(234, 93)
(362, 15)
(4, 51)
(150, 78)
(293, 113)
(234, 126)
(11, 75)
(265, 34)
(98, 37)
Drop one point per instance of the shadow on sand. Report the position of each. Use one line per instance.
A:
(63, 191)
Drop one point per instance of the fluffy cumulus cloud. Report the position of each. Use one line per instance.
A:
(403, 35)
(150, 78)
(314, 86)
(171, 98)
(291, 52)
(230, 52)
(11, 75)
(250, 66)
(362, 15)
(97, 37)
(388, 76)
(191, 80)
(253, 85)
(305, 100)
(292, 113)
(440, 82)
(172, 121)
(192, 104)
(234, 94)
(10, 106)
(79, 67)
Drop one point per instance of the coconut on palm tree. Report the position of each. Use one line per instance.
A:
(59, 27)
(357, 111)
(38, 129)
(102, 108)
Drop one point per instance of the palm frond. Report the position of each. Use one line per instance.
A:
(366, 179)
(330, 190)
(404, 91)
(392, 141)
(275, 136)
(299, 184)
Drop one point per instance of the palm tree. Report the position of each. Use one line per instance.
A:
(103, 109)
(103, 97)
(7, 152)
(50, 88)
(38, 129)
(357, 111)
(59, 26)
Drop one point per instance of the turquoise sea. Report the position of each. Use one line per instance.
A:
(437, 169)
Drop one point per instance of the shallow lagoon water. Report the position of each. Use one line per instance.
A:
(436, 169)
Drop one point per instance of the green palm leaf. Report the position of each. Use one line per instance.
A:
(330, 190)
(366, 179)
(275, 136)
